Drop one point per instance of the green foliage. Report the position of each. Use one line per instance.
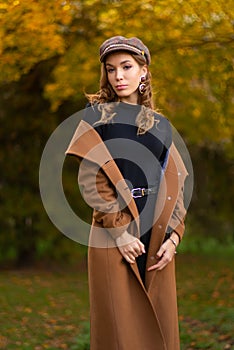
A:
(83, 340)
(205, 294)
(205, 245)
(26, 232)
(210, 214)
(42, 309)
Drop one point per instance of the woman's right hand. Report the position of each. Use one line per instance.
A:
(130, 247)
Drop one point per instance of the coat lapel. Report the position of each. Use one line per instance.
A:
(167, 197)
(86, 143)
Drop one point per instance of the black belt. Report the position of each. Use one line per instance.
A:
(139, 192)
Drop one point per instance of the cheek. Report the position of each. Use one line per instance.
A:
(110, 79)
(136, 77)
(136, 80)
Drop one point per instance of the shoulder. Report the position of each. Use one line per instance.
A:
(162, 122)
(91, 113)
(161, 117)
(163, 129)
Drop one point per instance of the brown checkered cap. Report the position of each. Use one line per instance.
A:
(120, 43)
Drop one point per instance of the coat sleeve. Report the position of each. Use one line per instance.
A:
(176, 222)
(109, 210)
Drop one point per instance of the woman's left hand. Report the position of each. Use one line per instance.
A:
(164, 255)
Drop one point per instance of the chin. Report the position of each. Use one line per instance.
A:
(123, 95)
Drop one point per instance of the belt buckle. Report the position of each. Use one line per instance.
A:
(139, 189)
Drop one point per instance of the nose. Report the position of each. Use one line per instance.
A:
(119, 74)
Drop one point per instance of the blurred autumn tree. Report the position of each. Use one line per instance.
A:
(49, 57)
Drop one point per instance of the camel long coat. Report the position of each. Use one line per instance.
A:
(126, 314)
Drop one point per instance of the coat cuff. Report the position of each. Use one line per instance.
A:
(179, 230)
(114, 223)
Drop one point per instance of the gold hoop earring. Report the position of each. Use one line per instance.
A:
(142, 85)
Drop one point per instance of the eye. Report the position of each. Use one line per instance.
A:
(110, 70)
(127, 66)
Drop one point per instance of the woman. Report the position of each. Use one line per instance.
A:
(133, 177)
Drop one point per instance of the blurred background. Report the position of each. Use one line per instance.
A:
(49, 57)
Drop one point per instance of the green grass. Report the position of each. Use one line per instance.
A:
(48, 308)
(42, 309)
(206, 301)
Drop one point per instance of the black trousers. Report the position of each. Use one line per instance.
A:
(141, 260)
(146, 206)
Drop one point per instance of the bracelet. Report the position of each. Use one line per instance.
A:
(177, 236)
(173, 241)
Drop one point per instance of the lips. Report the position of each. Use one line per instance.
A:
(121, 87)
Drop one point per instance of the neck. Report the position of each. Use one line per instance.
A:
(132, 100)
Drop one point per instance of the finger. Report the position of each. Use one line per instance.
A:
(130, 250)
(160, 252)
(159, 266)
(130, 259)
(137, 248)
(142, 247)
(166, 259)
(164, 262)
(154, 267)
(130, 253)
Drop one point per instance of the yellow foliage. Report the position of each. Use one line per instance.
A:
(29, 34)
(196, 113)
(191, 44)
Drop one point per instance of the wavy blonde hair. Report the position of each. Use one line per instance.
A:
(145, 119)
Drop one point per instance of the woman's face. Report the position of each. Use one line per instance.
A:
(124, 74)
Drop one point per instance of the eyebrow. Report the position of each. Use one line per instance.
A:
(123, 62)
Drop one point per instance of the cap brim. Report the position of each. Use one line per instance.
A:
(110, 50)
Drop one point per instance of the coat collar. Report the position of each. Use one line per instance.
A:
(86, 143)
